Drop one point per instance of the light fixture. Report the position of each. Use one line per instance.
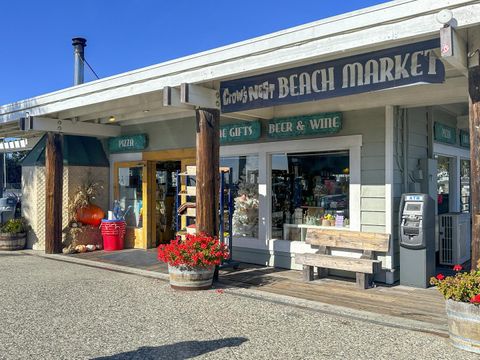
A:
(111, 119)
(445, 16)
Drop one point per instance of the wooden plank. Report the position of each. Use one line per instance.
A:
(348, 239)
(54, 193)
(339, 262)
(307, 273)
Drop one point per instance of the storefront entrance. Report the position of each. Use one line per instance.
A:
(146, 191)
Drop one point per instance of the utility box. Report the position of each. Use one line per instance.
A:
(417, 239)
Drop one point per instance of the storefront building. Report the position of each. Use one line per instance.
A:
(323, 125)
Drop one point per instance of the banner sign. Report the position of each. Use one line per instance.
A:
(127, 143)
(464, 138)
(384, 69)
(326, 123)
(244, 131)
(445, 134)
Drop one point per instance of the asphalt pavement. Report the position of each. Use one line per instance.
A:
(56, 310)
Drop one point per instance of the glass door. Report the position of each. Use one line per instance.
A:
(131, 191)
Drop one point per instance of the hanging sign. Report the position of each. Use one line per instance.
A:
(464, 138)
(445, 134)
(326, 123)
(399, 66)
(127, 143)
(244, 131)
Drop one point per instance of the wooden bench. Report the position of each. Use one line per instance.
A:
(364, 267)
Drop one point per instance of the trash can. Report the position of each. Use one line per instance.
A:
(113, 233)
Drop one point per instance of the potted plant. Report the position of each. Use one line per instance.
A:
(462, 295)
(13, 234)
(191, 262)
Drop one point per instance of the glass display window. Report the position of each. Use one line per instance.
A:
(308, 190)
(465, 185)
(245, 194)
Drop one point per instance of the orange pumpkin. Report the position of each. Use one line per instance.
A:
(90, 215)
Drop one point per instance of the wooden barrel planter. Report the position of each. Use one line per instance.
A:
(10, 241)
(464, 325)
(182, 278)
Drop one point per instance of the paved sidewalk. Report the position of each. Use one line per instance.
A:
(399, 306)
(60, 310)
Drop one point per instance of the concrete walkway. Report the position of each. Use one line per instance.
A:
(398, 306)
(62, 310)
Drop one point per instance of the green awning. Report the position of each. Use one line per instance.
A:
(77, 151)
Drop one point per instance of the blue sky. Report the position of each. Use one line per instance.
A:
(36, 52)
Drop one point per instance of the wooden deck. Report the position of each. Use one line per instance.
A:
(424, 305)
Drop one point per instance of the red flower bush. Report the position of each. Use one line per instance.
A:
(440, 277)
(475, 299)
(195, 251)
(457, 268)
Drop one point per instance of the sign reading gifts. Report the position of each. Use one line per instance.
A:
(326, 123)
(244, 131)
(127, 143)
(399, 66)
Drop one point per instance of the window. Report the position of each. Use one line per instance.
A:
(308, 190)
(443, 184)
(465, 185)
(245, 194)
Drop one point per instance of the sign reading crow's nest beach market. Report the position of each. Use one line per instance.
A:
(399, 66)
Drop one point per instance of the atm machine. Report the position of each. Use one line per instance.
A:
(417, 239)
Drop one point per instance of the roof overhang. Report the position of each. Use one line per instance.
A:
(138, 94)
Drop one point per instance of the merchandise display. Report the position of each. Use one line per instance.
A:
(309, 189)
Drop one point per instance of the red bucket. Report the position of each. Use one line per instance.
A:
(113, 233)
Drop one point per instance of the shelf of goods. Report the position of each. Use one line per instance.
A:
(185, 206)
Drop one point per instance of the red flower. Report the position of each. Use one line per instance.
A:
(475, 299)
(220, 291)
(458, 267)
(440, 277)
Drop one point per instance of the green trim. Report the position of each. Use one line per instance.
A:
(445, 134)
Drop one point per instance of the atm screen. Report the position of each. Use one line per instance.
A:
(413, 207)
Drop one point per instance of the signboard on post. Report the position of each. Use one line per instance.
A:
(445, 134)
(127, 143)
(389, 68)
(244, 131)
(326, 123)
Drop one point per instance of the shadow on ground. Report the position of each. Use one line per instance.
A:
(178, 351)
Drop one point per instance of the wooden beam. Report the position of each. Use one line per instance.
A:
(474, 92)
(453, 49)
(171, 97)
(207, 177)
(54, 193)
(69, 127)
(199, 96)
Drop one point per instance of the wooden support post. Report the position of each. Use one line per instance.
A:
(474, 121)
(54, 193)
(208, 161)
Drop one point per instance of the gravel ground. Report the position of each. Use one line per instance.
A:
(57, 310)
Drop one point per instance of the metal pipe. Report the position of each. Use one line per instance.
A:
(78, 53)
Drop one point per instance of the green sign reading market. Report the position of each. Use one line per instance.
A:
(325, 123)
(127, 143)
(445, 134)
(244, 131)
(464, 138)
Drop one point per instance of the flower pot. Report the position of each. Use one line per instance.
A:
(10, 241)
(463, 325)
(183, 278)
